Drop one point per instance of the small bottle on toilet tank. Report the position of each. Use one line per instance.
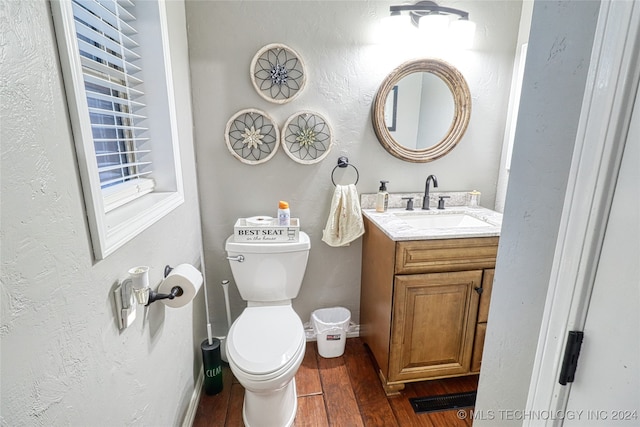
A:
(284, 214)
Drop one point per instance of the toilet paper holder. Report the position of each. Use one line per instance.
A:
(148, 296)
(177, 290)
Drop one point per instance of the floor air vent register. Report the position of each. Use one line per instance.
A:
(444, 402)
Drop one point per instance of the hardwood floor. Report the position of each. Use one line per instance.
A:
(342, 392)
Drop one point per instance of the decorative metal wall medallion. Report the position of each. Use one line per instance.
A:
(277, 73)
(251, 136)
(306, 137)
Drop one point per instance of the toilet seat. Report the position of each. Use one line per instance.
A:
(264, 341)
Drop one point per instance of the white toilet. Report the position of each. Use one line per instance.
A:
(266, 344)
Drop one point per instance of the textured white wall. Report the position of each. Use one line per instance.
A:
(64, 362)
(558, 59)
(514, 98)
(345, 68)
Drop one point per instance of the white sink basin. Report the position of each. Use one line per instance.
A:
(451, 223)
(424, 221)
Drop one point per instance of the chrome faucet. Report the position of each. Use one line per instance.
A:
(425, 201)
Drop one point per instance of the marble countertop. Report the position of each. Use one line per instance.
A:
(395, 228)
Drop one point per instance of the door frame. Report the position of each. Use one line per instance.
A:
(610, 90)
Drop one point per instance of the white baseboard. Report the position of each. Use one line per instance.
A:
(354, 331)
(195, 401)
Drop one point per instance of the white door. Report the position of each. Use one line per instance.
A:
(595, 279)
(606, 389)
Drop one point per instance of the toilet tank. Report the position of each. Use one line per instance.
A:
(269, 271)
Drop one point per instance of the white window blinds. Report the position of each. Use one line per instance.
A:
(106, 36)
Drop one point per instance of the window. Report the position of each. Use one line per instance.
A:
(116, 68)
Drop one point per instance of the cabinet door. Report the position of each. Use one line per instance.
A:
(434, 320)
(476, 360)
(485, 298)
(483, 316)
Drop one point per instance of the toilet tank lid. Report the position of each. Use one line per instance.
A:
(303, 244)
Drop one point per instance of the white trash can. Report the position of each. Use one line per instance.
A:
(331, 326)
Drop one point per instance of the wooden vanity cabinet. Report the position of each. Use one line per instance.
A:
(424, 305)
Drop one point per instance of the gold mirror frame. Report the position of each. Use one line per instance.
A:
(462, 110)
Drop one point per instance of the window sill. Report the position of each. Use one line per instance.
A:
(124, 223)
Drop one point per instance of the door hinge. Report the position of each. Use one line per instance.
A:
(571, 354)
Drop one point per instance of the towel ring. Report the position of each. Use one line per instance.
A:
(343, 162)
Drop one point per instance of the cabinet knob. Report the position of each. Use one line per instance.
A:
(479, 290)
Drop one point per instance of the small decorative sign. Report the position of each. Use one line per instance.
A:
(268, 233)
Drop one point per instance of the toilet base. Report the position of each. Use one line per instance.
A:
(276, 408)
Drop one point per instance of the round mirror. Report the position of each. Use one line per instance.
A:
(421, 110)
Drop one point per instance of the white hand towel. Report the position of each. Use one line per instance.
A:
(345, 223)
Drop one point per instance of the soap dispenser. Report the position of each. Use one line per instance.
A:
(382, 198)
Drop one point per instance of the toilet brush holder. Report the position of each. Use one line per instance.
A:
(212, 366)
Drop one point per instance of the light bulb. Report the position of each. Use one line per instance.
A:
(397, 28)
(462, 33)
(434, 28)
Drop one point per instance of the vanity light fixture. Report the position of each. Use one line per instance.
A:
(434, 23)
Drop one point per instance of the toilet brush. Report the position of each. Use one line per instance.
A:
(225, 288)
(210, 354)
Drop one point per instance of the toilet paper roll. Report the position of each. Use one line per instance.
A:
(261, 220)
(188, 278)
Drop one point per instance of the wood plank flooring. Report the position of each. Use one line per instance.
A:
(341, 392)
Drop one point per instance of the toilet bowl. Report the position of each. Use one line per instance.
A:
(266, 343)
(265, 348)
